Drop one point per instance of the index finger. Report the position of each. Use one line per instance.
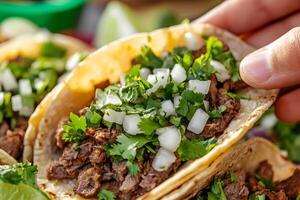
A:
(242, 16)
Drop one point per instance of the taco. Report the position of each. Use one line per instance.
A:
(253, 170)
(30, 67)
(142, 115)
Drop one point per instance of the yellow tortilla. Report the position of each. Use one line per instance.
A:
(29, 45)
(247, 156)
(114, 59)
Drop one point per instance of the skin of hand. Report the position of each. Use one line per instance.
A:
(274, 28)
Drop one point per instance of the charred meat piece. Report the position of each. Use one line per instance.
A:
(264, 170)
(88, 183)
(237, 190)
(130, 184)
(291, 186)
(120, 170)
(103, 135)
(12, 142)
(57, 171)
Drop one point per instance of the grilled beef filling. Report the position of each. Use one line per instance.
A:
(23, 84)
(117, 146)
(240, 185)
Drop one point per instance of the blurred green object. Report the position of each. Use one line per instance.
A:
(55, 15)
(119, 20)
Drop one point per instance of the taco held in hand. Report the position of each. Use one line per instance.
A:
(179, 98)
(253, 170)
(31, 66)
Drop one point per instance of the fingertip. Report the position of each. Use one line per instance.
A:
(287, 107)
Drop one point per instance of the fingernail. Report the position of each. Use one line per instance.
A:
(256, 67)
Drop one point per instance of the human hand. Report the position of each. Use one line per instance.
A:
(271, 26)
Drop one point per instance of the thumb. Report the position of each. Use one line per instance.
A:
(276, 65)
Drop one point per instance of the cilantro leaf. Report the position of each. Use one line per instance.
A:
(189, 103)
(194, 148)
(106, 195)
(217, 113)
(217, 189)
(133, 168)
(237, 96)
(74, 131)
(50, 49)
(149, 59)
(93, 119)
(257, 197)
(148, 126)
(127, 146)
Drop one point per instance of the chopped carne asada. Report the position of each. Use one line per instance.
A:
(137, 133)
(23, 84)
(240, 185)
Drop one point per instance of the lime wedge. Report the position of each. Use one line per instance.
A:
(20, 192)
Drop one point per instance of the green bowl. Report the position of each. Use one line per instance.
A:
(55, 15)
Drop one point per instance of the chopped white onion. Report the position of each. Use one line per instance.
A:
(269, 121)
(222, 73)
(16, 102)
(144, 73)
(26, 111)
(122, 80)
(38, 84)
(131, 124)
(113, 99)
(199, 86)
(8, 80)
(192, 42)
(163, 160)
(1, 98)
(198, 121)
(168, 107)
(177, 99)
(161, 70)
(159, 79)
(206, 105)
(169, 138)
(25, 87)
(114, 116)
(178, 73)
(73, 61)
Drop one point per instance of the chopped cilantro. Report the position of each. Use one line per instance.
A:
(148, 126)
(233, 177)
(257, 197)
(175, 120)
(237, 96)
(50, 49)
(133, 168)
(216, 190)
(217, 113)
(149, 59)
(106, 195)
(194, 148)
(74, 131)
(93, 119)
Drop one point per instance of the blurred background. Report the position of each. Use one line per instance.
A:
(98, 22)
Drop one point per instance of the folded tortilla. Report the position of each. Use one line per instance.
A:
(108, 63)
(247, 156)
(29, 46)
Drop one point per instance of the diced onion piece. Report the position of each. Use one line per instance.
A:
(25, 87)
(163, 160)
(177, 99)
(268, 121)
(206, 105)
(159, 79)
(144, 73)
(114, 116)
(178, 73)
(161, 70)
(38, 84)
(122, 79)
(8, 80)
(131, 124)
(168, 107)
(73, 61)
(198, 121)
(222, 73)
(192, 42)
(169, 138)
(199, 86)
(16, 102)
(26, 111)
(113, 99)
(1, 98)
